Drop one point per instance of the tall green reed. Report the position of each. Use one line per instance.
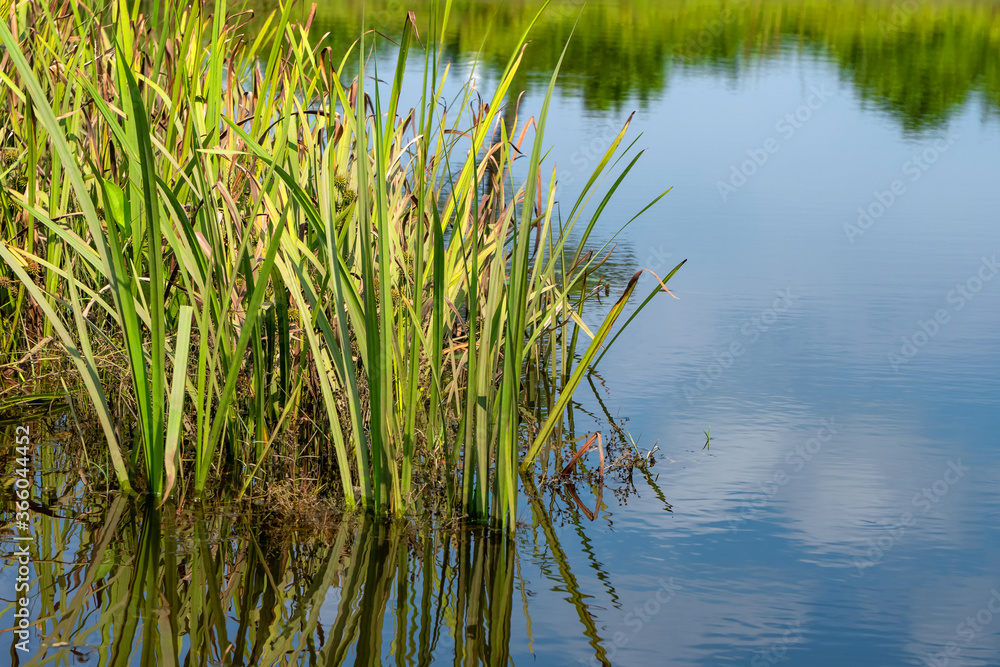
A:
(300, 269)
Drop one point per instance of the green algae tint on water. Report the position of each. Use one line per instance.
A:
(834, 168)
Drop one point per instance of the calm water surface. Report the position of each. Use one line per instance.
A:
(836, 191)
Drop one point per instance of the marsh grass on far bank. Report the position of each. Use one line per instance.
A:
(254, 266)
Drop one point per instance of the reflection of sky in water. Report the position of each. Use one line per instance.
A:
(747, 570)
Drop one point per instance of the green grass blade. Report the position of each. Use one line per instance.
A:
(583, 367)
(175, 410)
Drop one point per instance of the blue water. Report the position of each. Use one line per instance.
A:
(846, 510)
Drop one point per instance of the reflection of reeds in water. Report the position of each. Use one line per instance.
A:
(150, 588)
(127, 585)
(576, 597)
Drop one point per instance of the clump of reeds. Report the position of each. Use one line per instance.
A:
(285, 269)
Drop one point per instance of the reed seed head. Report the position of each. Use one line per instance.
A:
(347, 198)
(18, 181)
(343, 188)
